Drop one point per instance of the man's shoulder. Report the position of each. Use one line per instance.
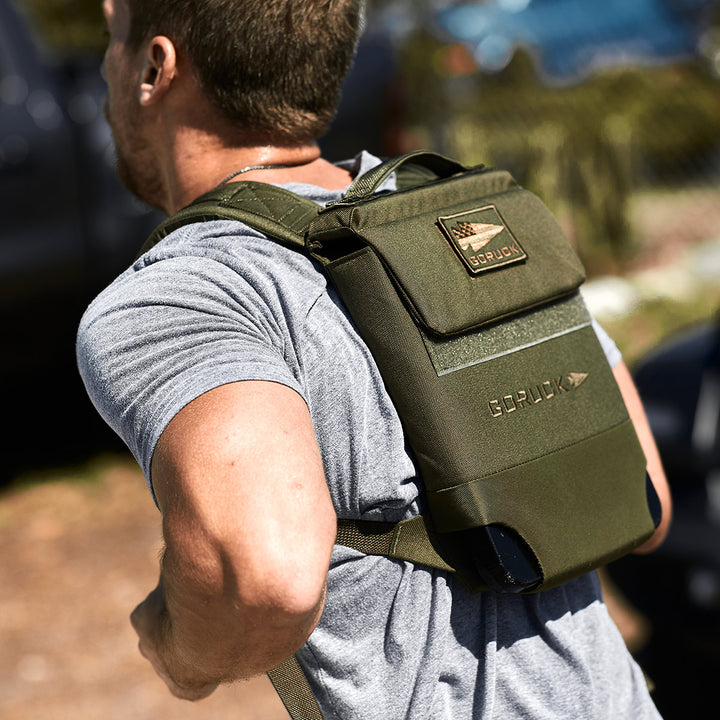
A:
(218, 268)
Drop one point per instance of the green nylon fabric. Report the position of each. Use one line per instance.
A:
(523, 406)
(444, 298)
(274, 211)
(466, 443)
(590, 514)
(414, 541)
(497, 339)
(407, 540)
(294, 690)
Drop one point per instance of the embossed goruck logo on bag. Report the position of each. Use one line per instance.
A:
(535, 393)
(481, 239)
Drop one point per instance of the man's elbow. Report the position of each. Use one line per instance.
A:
(238, 617)
(268, 618)
(286, 592)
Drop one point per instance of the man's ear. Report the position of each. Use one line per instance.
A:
(158, 71)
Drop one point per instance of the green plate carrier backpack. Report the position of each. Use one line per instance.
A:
(466, 291)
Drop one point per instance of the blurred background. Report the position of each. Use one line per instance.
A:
(610, 111)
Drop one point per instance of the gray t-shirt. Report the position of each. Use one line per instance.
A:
(216, 303)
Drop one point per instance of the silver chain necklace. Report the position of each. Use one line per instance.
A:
(254, 167)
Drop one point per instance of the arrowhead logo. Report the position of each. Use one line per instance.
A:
(481, 239)
(576, 379)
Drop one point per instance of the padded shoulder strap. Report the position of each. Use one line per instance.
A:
(274, 211)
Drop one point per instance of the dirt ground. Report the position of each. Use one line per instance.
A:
(76, 558)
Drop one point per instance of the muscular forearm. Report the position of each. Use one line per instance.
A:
(249, 532)
(654, 464)
(205, 628)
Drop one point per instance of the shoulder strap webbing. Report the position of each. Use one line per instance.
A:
(292, 686)
(407, 540)
(284, 216)
(411, 540)
(278, 213)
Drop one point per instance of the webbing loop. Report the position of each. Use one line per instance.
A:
(292, 686)
(407, 540)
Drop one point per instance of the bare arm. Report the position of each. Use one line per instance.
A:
(654, 465)
(249, 527)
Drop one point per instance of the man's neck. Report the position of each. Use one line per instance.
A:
(200, 164)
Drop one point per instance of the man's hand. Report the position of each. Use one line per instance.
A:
(150, 620)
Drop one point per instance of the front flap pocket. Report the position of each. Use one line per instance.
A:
(466, 258)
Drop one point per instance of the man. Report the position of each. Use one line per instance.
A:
(258, 415)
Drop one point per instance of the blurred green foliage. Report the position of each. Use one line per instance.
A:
(583, 147)
(67, 27)
(655, 320)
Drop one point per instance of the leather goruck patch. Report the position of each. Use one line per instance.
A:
(481, 239)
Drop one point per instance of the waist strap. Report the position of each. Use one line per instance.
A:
(409, 540)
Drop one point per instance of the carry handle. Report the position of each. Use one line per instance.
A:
(365, 185)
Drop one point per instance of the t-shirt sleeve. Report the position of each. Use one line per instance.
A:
(612, 352)
(164, 334)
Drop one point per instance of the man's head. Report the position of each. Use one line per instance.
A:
(272, 67)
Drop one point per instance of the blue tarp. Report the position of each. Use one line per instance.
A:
(572, 37)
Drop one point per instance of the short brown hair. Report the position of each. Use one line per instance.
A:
(274, 67)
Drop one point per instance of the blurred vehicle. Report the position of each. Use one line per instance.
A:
(67, 227)
(66, 224)
(570, 38)
(371, 100)
(677, 588)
